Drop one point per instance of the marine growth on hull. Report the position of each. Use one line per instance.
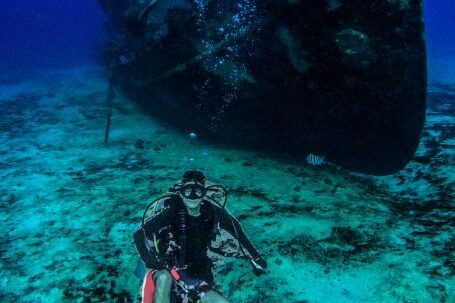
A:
(344, 79)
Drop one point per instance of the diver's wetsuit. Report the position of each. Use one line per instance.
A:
(199, 232)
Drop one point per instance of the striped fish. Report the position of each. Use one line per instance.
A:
(315, 160)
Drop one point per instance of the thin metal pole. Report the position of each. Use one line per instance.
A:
(110, 98)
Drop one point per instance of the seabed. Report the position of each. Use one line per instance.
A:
(69, 205)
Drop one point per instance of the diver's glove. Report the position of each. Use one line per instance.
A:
(259, 266)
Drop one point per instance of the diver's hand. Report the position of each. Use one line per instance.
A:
(259, 266)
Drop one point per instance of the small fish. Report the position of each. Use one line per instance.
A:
(315, 160)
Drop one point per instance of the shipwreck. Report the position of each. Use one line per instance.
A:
(341, 78)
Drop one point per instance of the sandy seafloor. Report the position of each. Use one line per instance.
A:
(69, 205)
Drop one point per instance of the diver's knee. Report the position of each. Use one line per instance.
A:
(162, 278)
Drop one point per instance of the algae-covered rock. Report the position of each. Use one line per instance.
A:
(346, 79)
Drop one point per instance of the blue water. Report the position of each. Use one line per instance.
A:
(49, 34)
(440, 28)
(440, 34)
(55, 33)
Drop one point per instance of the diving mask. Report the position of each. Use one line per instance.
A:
(192, 191)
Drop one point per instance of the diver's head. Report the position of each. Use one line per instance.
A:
(192, 189)
(194, 176)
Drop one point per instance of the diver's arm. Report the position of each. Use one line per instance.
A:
(150, 259)
(229, 223)
(146, 251)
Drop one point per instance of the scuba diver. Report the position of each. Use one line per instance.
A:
(174, 241)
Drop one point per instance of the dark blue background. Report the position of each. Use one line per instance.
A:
(65, 33)
(440, 28)
(48, 33)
